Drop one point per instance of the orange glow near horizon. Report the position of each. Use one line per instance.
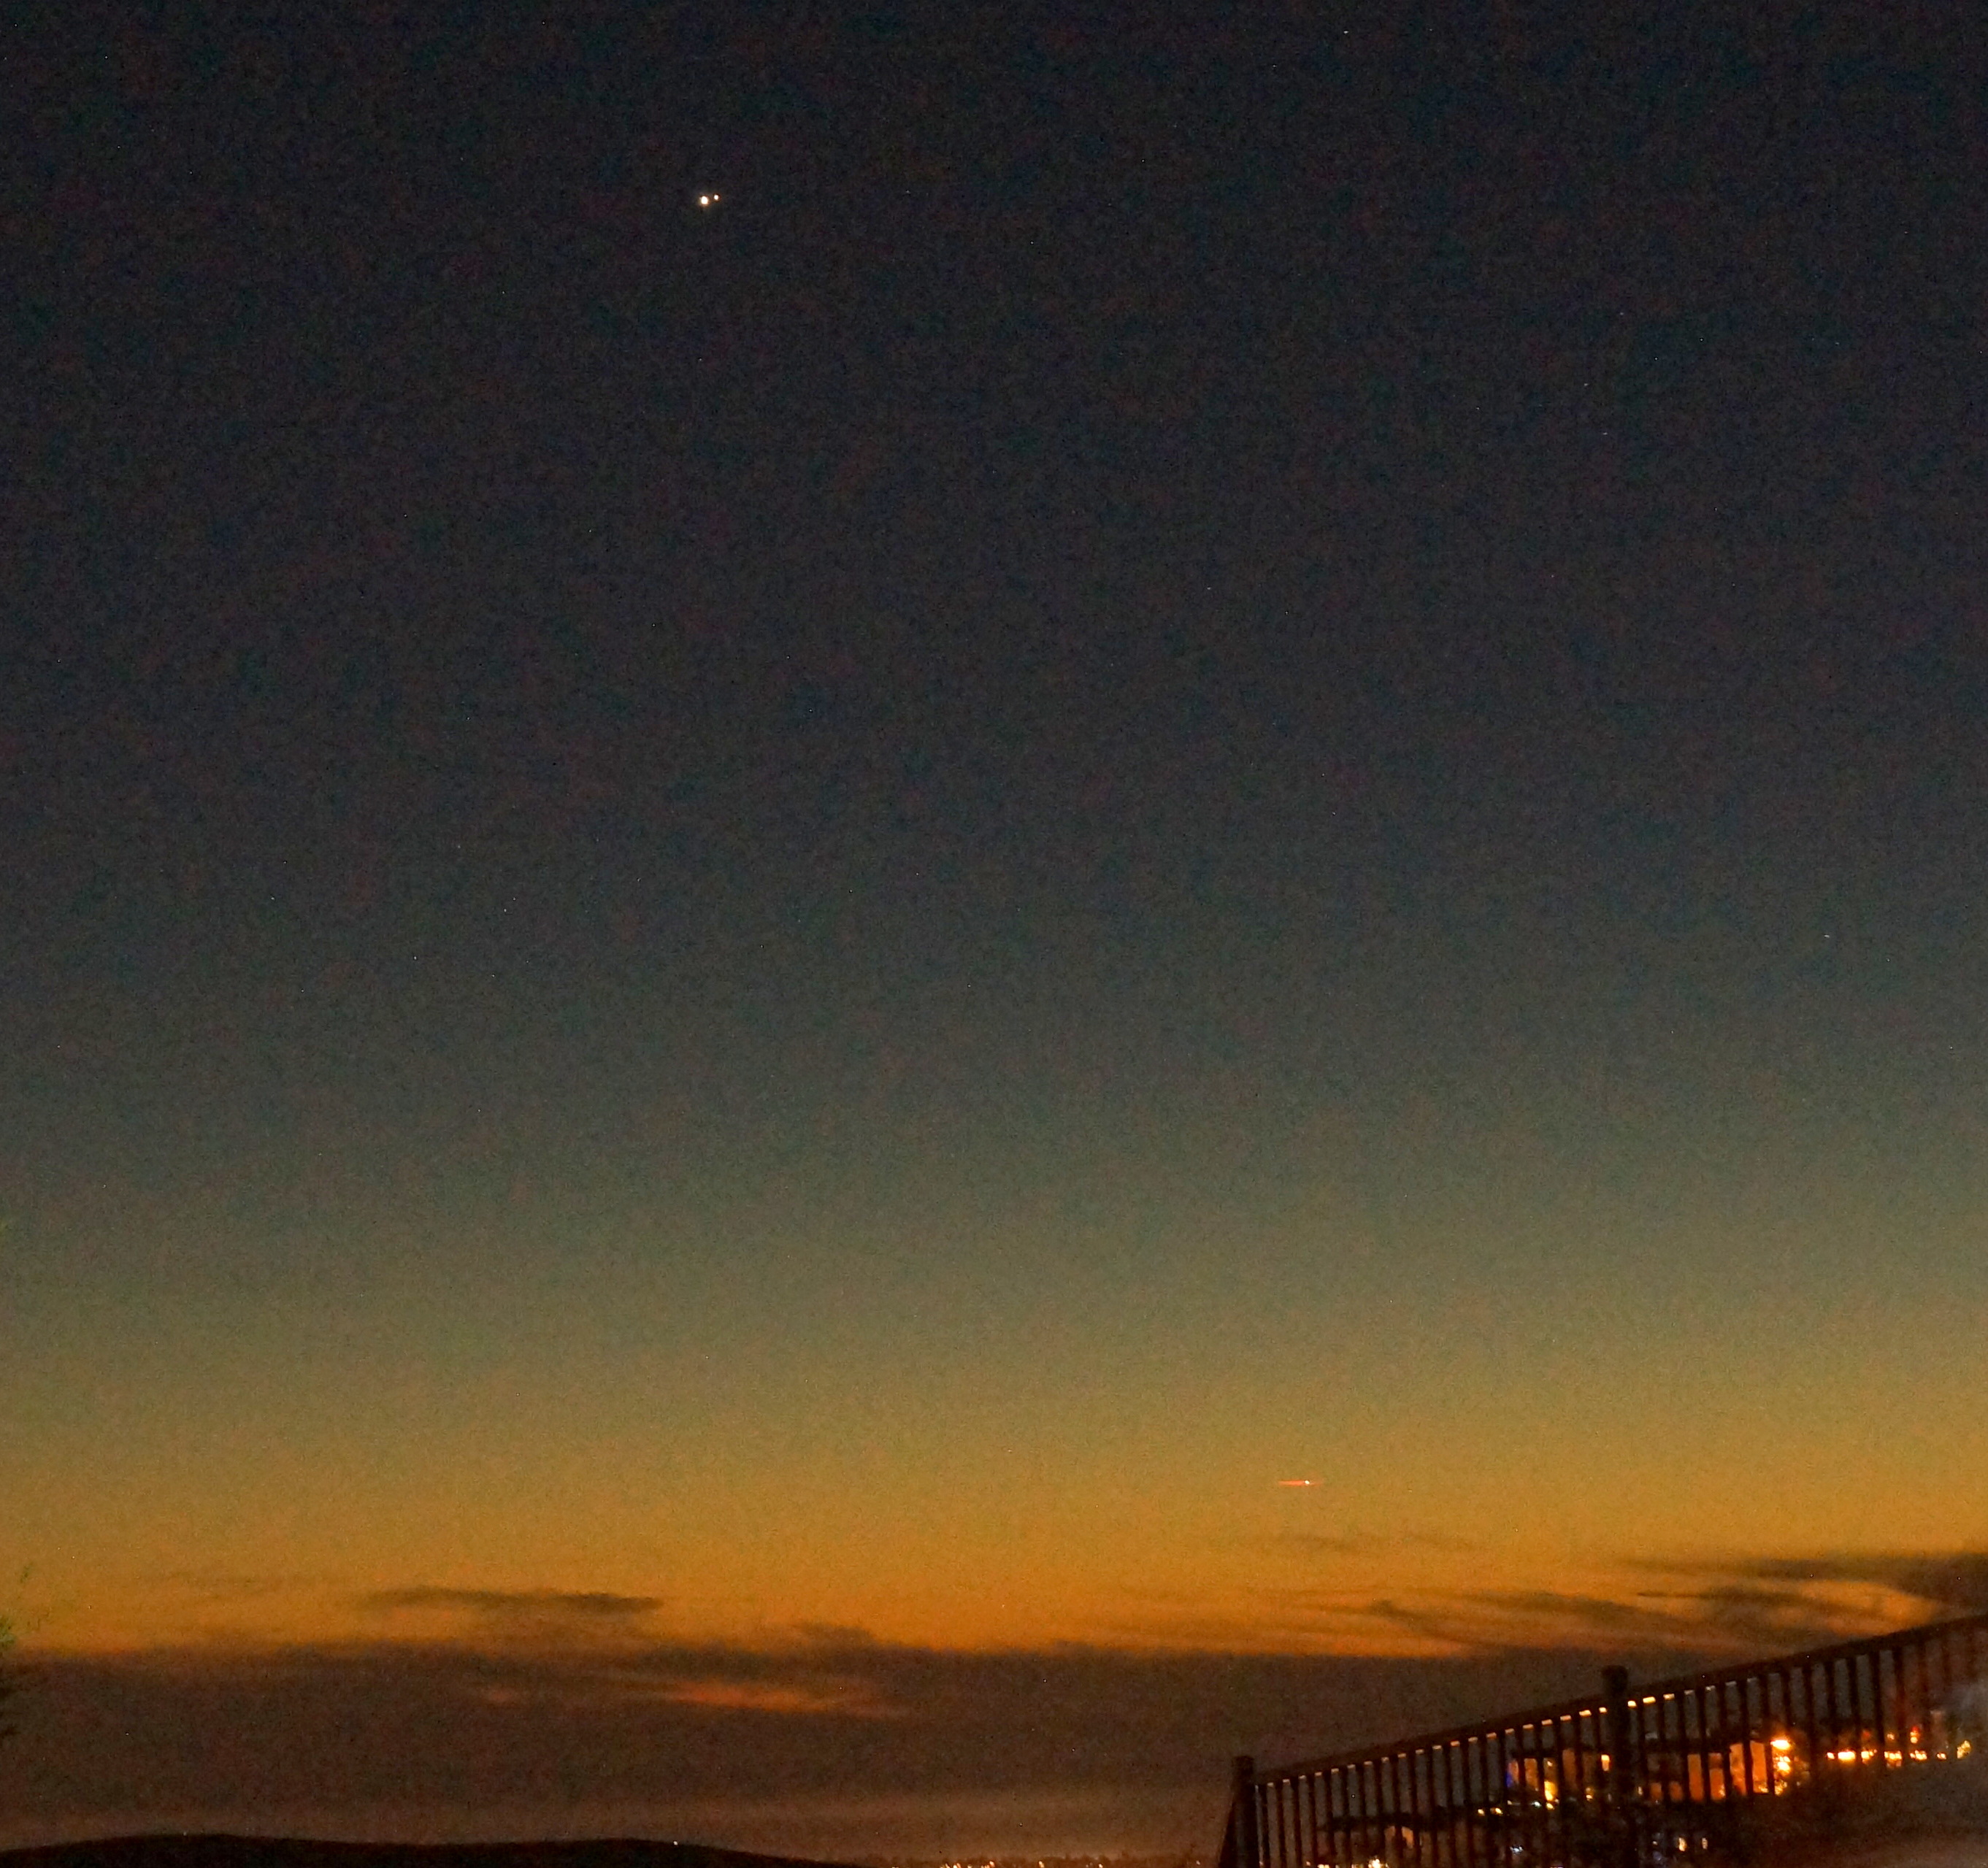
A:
(984, 1451)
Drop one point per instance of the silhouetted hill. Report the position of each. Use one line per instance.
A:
(278, 1852)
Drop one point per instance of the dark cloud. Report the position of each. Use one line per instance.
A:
(1955, 1580)
(1714, 1620)
(546, 1704)
(1366, 1543)
(582, 1605)
(1746, 1616)
(430, 1727)
(1950, 1579)
(1493, 1621)
(1650, 1631)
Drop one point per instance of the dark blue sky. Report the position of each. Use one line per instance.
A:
(1203, 751)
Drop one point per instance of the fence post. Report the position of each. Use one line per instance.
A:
(1239, 1848)
(1623, 1787)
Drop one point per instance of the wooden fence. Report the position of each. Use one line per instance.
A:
(1638, 1774)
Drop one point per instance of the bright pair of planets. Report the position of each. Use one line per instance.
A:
(709, 200)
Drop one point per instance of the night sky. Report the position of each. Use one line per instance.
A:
(750, 955)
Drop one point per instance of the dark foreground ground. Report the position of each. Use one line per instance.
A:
(275, 1852)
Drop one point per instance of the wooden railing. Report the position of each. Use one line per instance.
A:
(1629, 1775)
